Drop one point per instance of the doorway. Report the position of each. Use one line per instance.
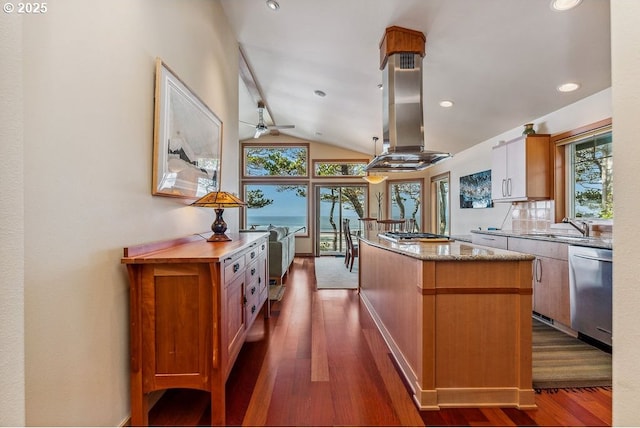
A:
(335, 204)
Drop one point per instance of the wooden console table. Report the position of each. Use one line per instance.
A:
(191, 304)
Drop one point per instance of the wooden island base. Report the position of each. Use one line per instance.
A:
(459, 326)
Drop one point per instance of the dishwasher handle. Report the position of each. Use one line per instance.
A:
(599, 259)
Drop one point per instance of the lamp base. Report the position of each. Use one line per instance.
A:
(218, 237)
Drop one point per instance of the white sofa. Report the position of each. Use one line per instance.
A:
(282, 250)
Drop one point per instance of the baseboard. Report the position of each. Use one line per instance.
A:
(153, 398)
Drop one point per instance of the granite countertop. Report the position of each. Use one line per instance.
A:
(444, 251)
(565, 238)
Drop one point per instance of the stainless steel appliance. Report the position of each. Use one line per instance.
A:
(412, 237)
(590, 280)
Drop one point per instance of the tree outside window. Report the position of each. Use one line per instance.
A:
(406, 201)
(592, 183)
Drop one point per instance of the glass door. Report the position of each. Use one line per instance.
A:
(335, 204)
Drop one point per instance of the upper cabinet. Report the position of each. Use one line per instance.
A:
(521, 169)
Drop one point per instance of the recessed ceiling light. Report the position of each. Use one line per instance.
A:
(319, 93)
(568, 87)
(446, 103)
(562, 5)
(273, 5)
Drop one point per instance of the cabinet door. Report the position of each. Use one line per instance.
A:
(550, 276)
(551, 289)
(499, 172)
(236, 321)
(517, 169)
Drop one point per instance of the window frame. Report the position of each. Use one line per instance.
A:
(316, 162)
(435, 204)
(561, 166)
(389, 202)
(263, 183)
(243, 163)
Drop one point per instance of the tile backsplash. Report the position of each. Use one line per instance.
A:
(538, 216)
(532, 216)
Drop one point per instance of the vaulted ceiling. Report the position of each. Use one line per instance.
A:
(499, 61)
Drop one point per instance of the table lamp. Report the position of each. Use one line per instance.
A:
(218, 201)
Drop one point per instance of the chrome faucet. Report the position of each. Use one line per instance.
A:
(582, 227)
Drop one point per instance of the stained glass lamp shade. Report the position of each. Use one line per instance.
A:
(219, 201)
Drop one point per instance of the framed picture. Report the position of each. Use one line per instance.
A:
(475, 190)
(187, 140)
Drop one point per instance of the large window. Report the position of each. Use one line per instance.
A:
(270, 199)
(275, 161)
(590, 176)
(278, 205)
(405, 201)
(339, 168)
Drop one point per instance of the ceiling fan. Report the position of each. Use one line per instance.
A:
(261, 127)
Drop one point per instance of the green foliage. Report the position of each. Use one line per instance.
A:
(403, 191)
(593, 177)
(276, 161)
(328, 169)
(256, 199)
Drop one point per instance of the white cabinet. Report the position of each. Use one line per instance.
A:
(521, 169)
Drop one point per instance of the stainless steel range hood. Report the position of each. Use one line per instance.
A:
(401, 52)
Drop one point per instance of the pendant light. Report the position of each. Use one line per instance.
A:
(374, 179)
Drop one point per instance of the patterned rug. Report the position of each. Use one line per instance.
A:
(331, 272)
(562, 361)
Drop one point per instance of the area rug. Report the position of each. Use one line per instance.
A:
(276, 292)
(331, 272)
(562, 361)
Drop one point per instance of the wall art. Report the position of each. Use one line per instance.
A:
(187, 136)
(475, 190)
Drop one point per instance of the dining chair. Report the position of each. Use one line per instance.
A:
(352, 248)
(368, 223)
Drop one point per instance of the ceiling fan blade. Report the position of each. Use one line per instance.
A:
(253, 125)
(257, 134)
(281, 126)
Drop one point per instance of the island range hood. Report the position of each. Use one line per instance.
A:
(401, 53)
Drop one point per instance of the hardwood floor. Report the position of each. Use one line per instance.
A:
(319, 360)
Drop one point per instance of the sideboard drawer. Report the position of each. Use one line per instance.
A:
(233, 266)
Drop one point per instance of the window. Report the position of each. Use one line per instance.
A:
(405, 201)
(282, 204)
(275, 161)
(590, 176)
(328, 168)
(441, 214)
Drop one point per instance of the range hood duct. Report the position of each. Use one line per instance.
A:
(401, 53)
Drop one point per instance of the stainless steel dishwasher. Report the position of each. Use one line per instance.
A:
(590, 278)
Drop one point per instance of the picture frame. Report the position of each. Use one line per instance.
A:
(187, 140)
(475, 190)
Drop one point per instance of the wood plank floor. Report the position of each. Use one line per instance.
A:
(320, 361)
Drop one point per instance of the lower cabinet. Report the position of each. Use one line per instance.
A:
(550, 272)
(191, 305)
(550, 277)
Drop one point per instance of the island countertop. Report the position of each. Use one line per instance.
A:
(448, 250)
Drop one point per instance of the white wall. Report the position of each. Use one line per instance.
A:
(12, 400)
(478, 158)
(88, 114)
(625, 55)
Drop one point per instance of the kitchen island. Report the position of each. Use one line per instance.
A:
(456, 317)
